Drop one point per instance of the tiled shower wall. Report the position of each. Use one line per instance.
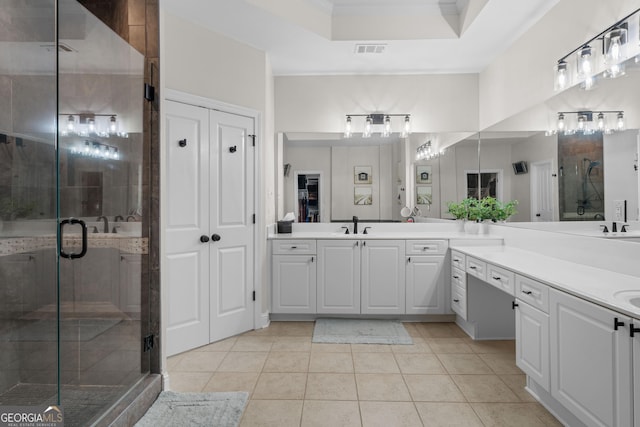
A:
(137, 21)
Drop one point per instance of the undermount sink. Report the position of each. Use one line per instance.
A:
(631, 297)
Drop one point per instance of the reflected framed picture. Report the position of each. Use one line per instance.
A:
(424, 195)
(362, 196)
(362, 175)
(423, 174)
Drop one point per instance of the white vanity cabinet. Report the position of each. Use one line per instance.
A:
(425, 276)
(338, 286)
(383, 277)
(458, 284)
(591, 361)
(636, 371)
(294, 276)
(532, 342)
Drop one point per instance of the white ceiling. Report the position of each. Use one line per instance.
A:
(315, 37)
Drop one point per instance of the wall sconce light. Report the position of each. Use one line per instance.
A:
(614, 51)
(91, 124)
(584, 123)
(373, 120)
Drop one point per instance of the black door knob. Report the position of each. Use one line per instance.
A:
(215, 237)
(204, 239)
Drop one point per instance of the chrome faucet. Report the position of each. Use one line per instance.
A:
(118, 217)
(355, 224)
(106, 223)
(132, 217)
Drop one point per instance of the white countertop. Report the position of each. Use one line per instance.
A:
(597, 285)
(449, 235)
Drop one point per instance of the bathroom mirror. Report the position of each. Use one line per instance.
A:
(588, 176)
(328, 178)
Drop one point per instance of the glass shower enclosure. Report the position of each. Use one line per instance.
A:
(71, 193)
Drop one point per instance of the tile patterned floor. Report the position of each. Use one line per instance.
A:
(443, 379)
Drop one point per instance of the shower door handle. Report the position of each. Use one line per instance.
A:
(83, 251)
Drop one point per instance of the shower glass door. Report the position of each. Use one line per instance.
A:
(71, 246)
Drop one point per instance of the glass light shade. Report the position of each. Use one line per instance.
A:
(620, 125)
(615, 46)
(367, 127)
(602, 125)
(112, 124)
(581, 123)
(71, 123)
(387, 127)
(406, 130)
(561, 122)
(92, 125)
(347, 127)
(584, 65)
(562, 76)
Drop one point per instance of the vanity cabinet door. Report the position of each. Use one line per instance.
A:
(383, 276)
(338, 276)
(532, 343)
(425, 293)
(294, 284)
(590, 361)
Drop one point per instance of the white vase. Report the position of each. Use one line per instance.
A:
(471, 227)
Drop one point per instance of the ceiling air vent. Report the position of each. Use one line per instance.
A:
(366, 49)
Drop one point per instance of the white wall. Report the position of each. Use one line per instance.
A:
(437, 103)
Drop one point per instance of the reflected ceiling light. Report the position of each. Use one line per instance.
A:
(611, 62)
(583, 122)
(377, 122)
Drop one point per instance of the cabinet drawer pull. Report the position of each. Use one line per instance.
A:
(426, 248)
(357, 244)
(497, 278)
(456, 300)
(473, 267)
(455, 276)
(514, 305)
(294, 247)
(456, 260)
(409, 259)
(527, 292)
(633, 330)
(312, 258)
(616, 323)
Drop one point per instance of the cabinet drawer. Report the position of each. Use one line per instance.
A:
(458, 278)
(458, 260)
(532, 292)
(459, 301)
(477, 268)
(426, 247)
(289, 247)
(501, 279)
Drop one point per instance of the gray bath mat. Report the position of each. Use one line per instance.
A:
(360, 331)
(173, 409)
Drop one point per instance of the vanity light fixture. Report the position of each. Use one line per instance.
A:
(91, 124)
(375, 121)
(614, 41)
(425, 152)
(96, 150)
(584, 122)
